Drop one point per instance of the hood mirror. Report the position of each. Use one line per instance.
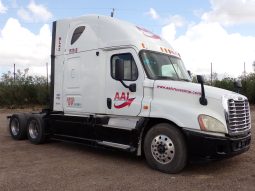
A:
(238, 86)
(200, 79)
(202, 99)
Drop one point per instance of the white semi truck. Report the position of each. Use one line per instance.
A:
(117, 85)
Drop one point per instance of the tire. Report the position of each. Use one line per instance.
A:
(165, 148)
(36, 129)
(18, 126)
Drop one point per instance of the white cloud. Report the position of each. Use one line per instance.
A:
(168, 32)
(153, 14)
(3, 8)
(177, 20)
(204, 43)
(229, 12)
(39, 11)
(27, 50)
(35, 13)
(25, 15)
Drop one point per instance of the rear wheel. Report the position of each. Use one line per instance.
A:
(17, 126)
(165, 148)
(36, 130)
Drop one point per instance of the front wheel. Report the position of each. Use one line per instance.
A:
(165, 148)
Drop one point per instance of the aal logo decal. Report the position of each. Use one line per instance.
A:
(122, 100)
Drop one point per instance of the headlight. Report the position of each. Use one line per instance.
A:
(208, 123)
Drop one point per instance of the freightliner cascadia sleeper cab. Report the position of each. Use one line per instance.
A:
(117, 85)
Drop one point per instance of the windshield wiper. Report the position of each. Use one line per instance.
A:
(182, 79)
(170, 78)
(164, 78)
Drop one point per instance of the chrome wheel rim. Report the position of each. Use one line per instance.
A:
(15, 127)
(162, 149)
(33, 129)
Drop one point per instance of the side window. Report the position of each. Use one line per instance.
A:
(130, 68)
(77, 33)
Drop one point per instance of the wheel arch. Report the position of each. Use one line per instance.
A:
(148, 123)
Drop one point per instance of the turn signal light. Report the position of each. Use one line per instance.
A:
(145, 107)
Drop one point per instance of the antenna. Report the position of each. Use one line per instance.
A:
(244, 70)
(112, 13)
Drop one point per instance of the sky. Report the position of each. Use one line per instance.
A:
(220, 32)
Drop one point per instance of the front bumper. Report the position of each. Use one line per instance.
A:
(202, 147)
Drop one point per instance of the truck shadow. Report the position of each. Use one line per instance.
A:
(211, 167)
(105, 154)
(97, 150)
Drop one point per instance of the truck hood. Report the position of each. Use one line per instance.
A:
(195, 89)
(178, 101)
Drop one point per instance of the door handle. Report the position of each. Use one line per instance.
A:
(109, 103)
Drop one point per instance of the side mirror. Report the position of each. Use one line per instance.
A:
(238, 84)
(132, 87)
(119, 69)
(119, 75)
(200, 79)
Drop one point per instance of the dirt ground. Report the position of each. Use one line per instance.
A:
(64, 166)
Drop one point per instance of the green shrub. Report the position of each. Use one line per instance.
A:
(24, 91)
(248, 85)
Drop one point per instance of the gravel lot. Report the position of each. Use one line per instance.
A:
(65, 166)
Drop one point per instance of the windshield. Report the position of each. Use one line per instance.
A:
(163, 66)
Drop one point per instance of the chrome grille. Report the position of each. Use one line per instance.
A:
(238, 116)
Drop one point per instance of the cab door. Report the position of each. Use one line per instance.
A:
(119, 99)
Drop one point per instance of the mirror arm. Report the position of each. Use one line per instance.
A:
(125, 85)
(131, 87)
(203, 100)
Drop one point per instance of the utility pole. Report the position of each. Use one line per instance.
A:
(112, 13)
(47, 76)
(244, 70)
(211, 73)
(14, 73)
(244, 73)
